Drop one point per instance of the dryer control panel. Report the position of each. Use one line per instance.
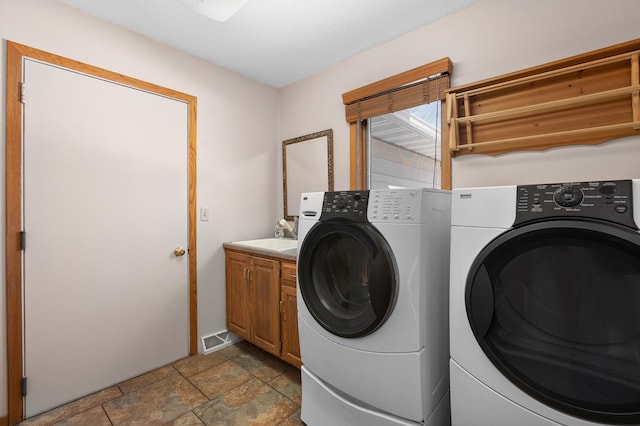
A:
(605, 200)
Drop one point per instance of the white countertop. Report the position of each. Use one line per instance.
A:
(285, 248)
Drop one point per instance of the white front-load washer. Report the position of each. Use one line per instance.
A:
(545, 304)
(373, 307)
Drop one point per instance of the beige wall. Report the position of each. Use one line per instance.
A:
(490, 38)
(229, 150)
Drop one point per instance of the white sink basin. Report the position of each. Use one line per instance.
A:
(283, 245)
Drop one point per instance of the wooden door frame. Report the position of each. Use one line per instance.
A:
(16, 53)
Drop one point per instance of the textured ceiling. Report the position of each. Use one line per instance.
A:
(276, 42)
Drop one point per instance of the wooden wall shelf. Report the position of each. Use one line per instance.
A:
(565, 103)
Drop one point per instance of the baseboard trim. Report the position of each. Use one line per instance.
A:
(4, 421)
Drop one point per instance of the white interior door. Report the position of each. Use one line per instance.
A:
(105, 204)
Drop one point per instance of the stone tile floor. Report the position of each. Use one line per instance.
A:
(237, 385)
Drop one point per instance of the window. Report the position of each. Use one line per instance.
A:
(395, 98)
(404, 148)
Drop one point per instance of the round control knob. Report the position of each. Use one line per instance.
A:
(568, 196)
(341, 202)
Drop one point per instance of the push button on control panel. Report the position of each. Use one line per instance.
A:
(621, 208)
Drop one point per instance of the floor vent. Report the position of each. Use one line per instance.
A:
(218, 340)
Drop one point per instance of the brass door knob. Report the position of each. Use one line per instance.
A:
(179, 251)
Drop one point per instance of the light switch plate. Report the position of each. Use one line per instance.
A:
(204, 214)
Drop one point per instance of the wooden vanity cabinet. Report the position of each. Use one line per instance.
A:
(261, 303)
(289, 315)
(253, 299)
(237, 287)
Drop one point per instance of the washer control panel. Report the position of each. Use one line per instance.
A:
(395, 206)
(351, 205)
(380, 206)
(605, 200)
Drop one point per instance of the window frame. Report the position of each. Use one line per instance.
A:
(393, 94)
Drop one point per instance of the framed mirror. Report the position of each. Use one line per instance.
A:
(307, 166)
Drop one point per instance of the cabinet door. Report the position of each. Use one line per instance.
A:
(289, 271)
(290, 340)
(238, 295)
(265, 285)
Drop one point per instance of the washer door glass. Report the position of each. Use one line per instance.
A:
(556, 307)
(347, 277)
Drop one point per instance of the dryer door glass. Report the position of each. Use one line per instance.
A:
(556, 307)
(347, 277)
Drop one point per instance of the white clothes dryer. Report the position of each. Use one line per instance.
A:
(372, 306)
(545, 304)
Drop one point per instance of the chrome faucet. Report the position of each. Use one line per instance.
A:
(288, 227)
